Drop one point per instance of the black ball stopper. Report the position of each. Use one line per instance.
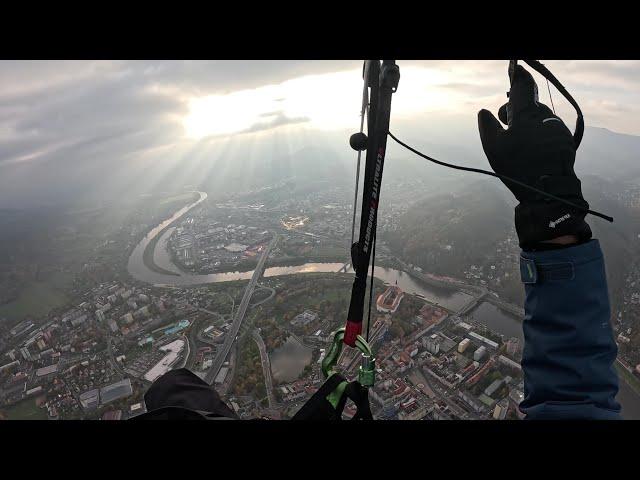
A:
(358, 141)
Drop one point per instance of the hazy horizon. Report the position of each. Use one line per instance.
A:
(83, 131)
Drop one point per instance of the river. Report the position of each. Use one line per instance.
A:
(136, 267)
(486, 313)
(448, 298)
(161, 255)
(498, 320)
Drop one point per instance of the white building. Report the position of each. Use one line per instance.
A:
(173, 350)
(304, 318)
(433, 344)
(479, 353)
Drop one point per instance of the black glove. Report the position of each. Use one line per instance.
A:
(537, 149)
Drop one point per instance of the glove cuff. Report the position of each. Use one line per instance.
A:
(537, 223)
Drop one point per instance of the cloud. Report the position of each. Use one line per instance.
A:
(278, 119)
(74, 126)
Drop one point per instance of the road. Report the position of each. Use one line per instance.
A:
(345, 267)
(443, 395)
(112, 358)
(266, 368)
(193, 346)
(239, 317)
(272, 293)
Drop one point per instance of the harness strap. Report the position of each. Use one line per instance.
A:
(320, 407)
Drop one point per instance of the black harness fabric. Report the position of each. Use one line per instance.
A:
(179, 413)
(318, 408)
(360, 396)
(182, 395)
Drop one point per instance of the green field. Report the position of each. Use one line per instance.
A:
(37, 298)
(26, 410)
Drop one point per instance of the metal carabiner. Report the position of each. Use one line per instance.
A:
(367, 370)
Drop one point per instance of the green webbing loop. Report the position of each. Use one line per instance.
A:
(334, 397)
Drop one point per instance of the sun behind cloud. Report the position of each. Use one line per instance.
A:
(326, 102)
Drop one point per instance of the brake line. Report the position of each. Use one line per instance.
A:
(502, 177)
(364, 112)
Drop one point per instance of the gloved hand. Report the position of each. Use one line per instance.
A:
(538, 149)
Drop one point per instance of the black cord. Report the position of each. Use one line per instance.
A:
(502, 177)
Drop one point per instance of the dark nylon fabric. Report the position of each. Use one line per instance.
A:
(360, 396)
(569, 349)
(180, 394)
(319, 408)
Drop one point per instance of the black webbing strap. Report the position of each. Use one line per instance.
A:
(319, 408)
(360, 397)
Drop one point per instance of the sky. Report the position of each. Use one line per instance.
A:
(69, 123)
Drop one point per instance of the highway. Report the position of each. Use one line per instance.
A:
(242, 309)
(266, 368)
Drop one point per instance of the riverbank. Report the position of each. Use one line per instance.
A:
(148, 255)
(248, 265)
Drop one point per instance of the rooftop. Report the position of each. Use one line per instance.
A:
(41, 372)
(115, 391)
